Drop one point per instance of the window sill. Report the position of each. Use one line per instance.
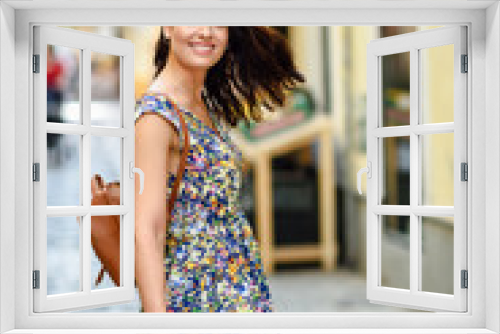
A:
(253, 331)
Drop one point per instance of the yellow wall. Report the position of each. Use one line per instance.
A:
(437, 103)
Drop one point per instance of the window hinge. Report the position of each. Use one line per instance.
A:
(36, 63)
(465, 63)
(464, 171)
(36, 279)
(465, 279)
(36, 171)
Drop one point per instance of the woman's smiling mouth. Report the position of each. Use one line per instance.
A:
(202, 48)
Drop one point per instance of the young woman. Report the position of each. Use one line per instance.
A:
(203, 257)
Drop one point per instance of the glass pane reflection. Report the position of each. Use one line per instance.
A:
(437, 84)
(105, 102)
(437, 169)
(396, 89)
(396, 168)
(437, 254)
(63, 255)
(395, 251)
(63, 84)
(63, 169)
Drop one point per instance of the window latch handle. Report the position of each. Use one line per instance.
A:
(368, 171)
(133, 170)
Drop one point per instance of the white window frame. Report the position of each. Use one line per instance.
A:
(86, 44)
(414, 44)
(483, 147)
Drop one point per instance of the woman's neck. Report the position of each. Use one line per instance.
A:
(185, 87)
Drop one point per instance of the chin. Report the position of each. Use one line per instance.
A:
(203, 64)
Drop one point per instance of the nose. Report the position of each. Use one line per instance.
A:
(206, 30)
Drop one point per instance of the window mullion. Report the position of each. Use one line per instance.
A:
(414, 170)
(85, 166)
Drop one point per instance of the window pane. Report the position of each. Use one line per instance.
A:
(396, 169)
(105, 229)
(63, 170)
(437, 169)
(436, 84)
(396, 89)
(63, 255)
(63, 84)
(437, 254)
(105, 104)
(106, 161)
(395, 244)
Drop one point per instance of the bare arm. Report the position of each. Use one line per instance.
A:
(152, 144)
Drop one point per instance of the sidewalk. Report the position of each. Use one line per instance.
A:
(317, 291)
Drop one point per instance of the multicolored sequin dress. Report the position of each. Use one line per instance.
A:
(213, 261)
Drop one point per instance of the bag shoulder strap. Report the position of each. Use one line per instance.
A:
(182, 163)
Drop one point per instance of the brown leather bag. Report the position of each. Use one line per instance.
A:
(105, 230)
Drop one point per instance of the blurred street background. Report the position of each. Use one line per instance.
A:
(303, 161)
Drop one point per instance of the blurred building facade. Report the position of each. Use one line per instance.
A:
(333, 59)
(349, 123)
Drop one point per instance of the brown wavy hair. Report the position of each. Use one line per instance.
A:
(255, 71)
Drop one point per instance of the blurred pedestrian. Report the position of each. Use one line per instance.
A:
(54, 93)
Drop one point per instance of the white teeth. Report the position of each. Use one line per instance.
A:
(201, 47)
